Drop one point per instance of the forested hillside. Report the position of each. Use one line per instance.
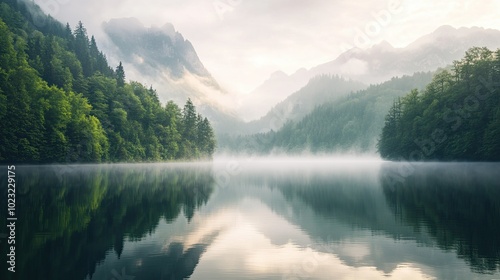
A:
(319, 90)
(60, 101)
(351, 123)
(457, 117)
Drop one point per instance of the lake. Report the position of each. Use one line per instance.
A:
(317, 218)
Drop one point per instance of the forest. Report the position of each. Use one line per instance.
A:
(351, 122)
(456, 117)
(60, 100)
(452, 114)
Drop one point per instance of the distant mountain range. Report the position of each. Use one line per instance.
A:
(346, 122)
(319, 90)
(379, 63)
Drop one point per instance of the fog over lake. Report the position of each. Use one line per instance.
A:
(256, 218)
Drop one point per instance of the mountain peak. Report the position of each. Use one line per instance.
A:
(158, 47)
(301, 71)
(444, 30)
(169, 30)
(384, 45)
(278, 75)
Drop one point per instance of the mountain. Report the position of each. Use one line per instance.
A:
(432, 51)
(381, 62)
(274, 90)
(161, 56)
(351, 123)
(319, 90)
(156, 48)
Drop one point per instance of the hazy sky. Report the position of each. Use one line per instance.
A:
(241, 42)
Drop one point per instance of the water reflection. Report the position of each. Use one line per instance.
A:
(319, 219)
(458, 204)
(70, 217)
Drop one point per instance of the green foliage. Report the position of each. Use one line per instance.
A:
(62, 102)
(120, 75)
(456, 117)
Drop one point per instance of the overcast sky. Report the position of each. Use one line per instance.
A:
(241, 42)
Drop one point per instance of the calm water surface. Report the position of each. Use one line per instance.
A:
(255, 219)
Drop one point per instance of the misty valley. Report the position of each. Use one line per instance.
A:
(278, 218)
(63, 102)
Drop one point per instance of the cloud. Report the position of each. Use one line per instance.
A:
(241, 42)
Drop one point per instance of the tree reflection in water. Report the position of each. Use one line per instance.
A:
(457, 203)
(69, 217)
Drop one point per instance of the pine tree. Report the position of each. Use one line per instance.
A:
(93, 53)
(82, 49)
(206, 138)
(120, 75)
(189, 120)
(68, 36)
(388, 144)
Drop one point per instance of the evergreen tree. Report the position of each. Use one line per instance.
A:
(389, 146)
(120, 75)
(206, 138)
(189, 121)
(69, 38)
(82, 49)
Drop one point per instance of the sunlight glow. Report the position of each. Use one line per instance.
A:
(244, 249)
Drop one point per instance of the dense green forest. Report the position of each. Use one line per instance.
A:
(457, 117)
(60, 101)
(350, 123)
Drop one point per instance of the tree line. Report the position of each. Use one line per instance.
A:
(457, 116)
(60, 101)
